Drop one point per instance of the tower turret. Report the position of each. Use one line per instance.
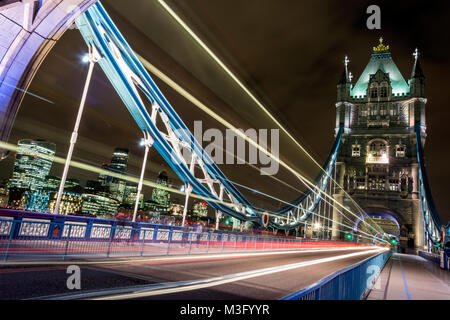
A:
(417, 81)
(417, 92)
(343, 96)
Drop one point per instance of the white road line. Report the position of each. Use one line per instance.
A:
(175, 287)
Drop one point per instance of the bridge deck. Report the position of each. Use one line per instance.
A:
(410, 277)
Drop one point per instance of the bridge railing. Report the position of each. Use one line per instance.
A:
(436, 258)
(351, 283)
(29, 239)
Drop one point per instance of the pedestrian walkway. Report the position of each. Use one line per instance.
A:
(410, 277)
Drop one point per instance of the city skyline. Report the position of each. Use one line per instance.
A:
(38, 188)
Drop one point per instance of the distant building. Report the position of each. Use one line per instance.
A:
(159, 195)
(130, 194)
(52, 182)
(70, 203)
(36, 200)
(200, 209)
(4, 194)
(119, 163)
(72, 184)
(99, 206)
(33, 162)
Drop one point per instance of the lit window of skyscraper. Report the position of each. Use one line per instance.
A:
(119, 160)
(33, 162)
(119, 163)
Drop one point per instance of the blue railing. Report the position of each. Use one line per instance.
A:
(351, 283)
(26, 235)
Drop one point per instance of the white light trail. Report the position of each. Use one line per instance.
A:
(247, 91)
(217, 281)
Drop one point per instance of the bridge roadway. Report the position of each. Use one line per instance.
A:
(235, 276)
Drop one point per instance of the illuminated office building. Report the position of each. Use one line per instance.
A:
(130, 193)
(99, 206)
(119, 163)
(200, 209)
(159, 195)
(70, 203)
(33, 162)
(52, 182)
(37, 200)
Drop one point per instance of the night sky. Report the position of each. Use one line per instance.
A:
(289, 53)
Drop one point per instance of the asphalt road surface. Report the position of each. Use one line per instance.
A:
(241, 276)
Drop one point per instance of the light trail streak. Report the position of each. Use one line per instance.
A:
(217, 281)
(91, 168)
(28, 92)
(246, 90)
(166, 79)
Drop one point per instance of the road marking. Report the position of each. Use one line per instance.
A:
(408, 296)
(174, 287)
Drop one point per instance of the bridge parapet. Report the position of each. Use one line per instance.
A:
(28, 235)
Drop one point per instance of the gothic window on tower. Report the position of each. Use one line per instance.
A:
(393, 185)
(363, 111)
(377, 152)
(394, 110)
(374, 93)
(360, 183)
(356, 150)
(400, 151)
(383, 92)
(373, 111)
(377, 182)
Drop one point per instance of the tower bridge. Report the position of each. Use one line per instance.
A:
(371, 192)
(377, 158)
(378, 161)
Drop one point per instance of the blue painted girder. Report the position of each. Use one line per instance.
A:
(128, 77)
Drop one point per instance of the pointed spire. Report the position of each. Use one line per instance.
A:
(344, 79)
(346, 62)
(417, 69)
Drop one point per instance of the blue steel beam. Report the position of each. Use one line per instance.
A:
(433, 225)
(129, 77)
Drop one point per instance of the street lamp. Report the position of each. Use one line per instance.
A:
(147, 141)
(85, 58)
(93, 57)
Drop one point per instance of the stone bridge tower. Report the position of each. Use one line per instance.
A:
(377, 162)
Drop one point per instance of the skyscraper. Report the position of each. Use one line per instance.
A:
(119, 163)
(159, 195)
(33, 162)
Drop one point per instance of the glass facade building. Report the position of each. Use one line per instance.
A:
(33, 162)
(70, 203)
(99, 205)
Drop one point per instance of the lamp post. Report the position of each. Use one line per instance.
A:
(92, 57)
(147, 141)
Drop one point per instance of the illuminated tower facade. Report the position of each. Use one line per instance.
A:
(377, 163)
